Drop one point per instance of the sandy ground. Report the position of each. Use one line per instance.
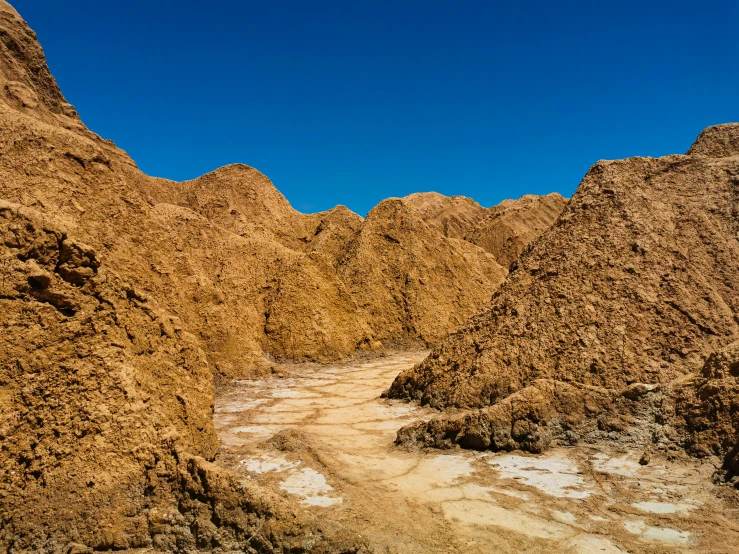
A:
(334, 455)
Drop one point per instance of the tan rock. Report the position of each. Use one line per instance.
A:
(636, 282)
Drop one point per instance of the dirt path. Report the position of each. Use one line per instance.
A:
(321, 435)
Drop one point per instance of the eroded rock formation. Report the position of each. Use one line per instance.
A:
(635, 282)
(623, 314)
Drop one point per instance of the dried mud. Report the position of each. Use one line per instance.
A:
(323, 437)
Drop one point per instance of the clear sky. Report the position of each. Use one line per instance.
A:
(349, 102)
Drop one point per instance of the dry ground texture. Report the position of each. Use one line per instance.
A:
(323, 436)
(623, 314)
(124, 297)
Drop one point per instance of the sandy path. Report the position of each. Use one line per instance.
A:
(339, 462)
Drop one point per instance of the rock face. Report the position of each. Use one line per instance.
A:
(504, 230)
(707, 409)
(121, 295)
(453, 216)
(636, 282)
(514, 224)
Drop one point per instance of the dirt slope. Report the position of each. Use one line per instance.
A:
(504, 230)
(27, 84)
(453, 216)
(602, 329)
(514, 224)
(707, 410)
(636, 282)
(121, 295)
(409, 279)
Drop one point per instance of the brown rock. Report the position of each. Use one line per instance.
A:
(504, 230)
(452, 216)
(707, 409)
(636, 282)
(525, 420)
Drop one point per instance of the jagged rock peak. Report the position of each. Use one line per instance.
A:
(26, 83)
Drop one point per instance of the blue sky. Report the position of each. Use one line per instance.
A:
(351, 102)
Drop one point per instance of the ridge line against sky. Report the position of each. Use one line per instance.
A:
(352, 103)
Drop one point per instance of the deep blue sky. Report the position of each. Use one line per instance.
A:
(351, 102)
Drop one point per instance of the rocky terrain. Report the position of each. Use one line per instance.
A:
(122, 296)
(624, 297)
(322, 436)
(126, 301)
(504, 230)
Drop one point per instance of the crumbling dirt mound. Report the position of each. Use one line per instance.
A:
(504, 230)
(696, 413)
(409, 280)
(526, 420)
(25, 81)
(719, 141)
(514, 224)
(707, 409)
(636, 282)
(106, 409)
(452, 216)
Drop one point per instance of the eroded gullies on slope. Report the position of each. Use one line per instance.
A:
(341, 459)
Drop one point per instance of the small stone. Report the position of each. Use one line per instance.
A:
(77, 548)
(645, 459)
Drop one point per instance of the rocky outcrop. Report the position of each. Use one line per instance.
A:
(514, 224)
(707, 409)
(25, 81)
(526, 420)
(719, 141)
(504, 230)
(635, 282)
